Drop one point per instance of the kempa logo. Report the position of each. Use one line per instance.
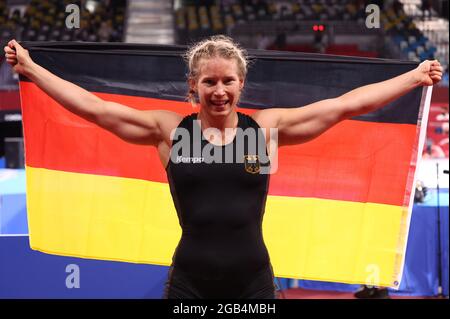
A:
(194, 160)
(249, 142)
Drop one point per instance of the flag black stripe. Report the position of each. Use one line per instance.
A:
(275, 79)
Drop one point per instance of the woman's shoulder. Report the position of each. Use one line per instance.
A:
(266, 118)
(183, 120)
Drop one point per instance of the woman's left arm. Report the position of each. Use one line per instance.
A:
(299, 125)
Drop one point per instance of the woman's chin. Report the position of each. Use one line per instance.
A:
(221, 110)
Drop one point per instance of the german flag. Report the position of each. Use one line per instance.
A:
(338, 207)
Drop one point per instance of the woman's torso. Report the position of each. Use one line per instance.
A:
(219, 193)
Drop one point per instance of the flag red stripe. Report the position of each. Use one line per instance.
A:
(354, 161)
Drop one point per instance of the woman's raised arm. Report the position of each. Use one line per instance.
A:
(134, 126)
(299, 125)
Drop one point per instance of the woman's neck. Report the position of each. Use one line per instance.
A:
(220, 123)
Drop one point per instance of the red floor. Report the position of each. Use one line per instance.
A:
(300, 293)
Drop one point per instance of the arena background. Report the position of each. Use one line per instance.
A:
(408, 30)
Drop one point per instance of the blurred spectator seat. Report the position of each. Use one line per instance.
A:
(192, 18)
(215, 19)
(44, 20)
(204, 20)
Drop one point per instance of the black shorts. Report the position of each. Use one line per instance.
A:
(181, 285)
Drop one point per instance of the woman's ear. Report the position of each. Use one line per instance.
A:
(241, 84)
(192, 85)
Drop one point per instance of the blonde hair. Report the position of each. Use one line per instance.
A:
(215, 46)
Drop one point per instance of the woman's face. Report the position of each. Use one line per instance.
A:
(218, 86)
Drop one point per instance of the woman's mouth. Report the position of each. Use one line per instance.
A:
(219, 103)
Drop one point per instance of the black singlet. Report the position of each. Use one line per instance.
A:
(220, 206)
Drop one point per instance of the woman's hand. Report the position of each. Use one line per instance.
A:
(17, 57)
(429, 72)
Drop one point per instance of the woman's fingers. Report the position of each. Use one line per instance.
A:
(10, 54)
(436, 78)
(13, 43)
(9, 50)
(436, 68)
(15, 46)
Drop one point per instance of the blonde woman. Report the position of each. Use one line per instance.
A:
(220, 204)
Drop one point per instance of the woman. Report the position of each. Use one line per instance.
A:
(221, 253)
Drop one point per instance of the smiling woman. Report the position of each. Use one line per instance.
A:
(217, 71)
(221, 252)
(220, 204)
(218, 87)
(217, 46)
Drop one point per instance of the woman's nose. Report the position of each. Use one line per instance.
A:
(219, 90)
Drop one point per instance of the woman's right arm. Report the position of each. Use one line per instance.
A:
(134, 126)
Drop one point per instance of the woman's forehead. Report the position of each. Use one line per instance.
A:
(218, 66)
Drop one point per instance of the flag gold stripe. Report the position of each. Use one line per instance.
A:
(116, 218)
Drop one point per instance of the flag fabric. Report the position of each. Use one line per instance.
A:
(338, 207)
